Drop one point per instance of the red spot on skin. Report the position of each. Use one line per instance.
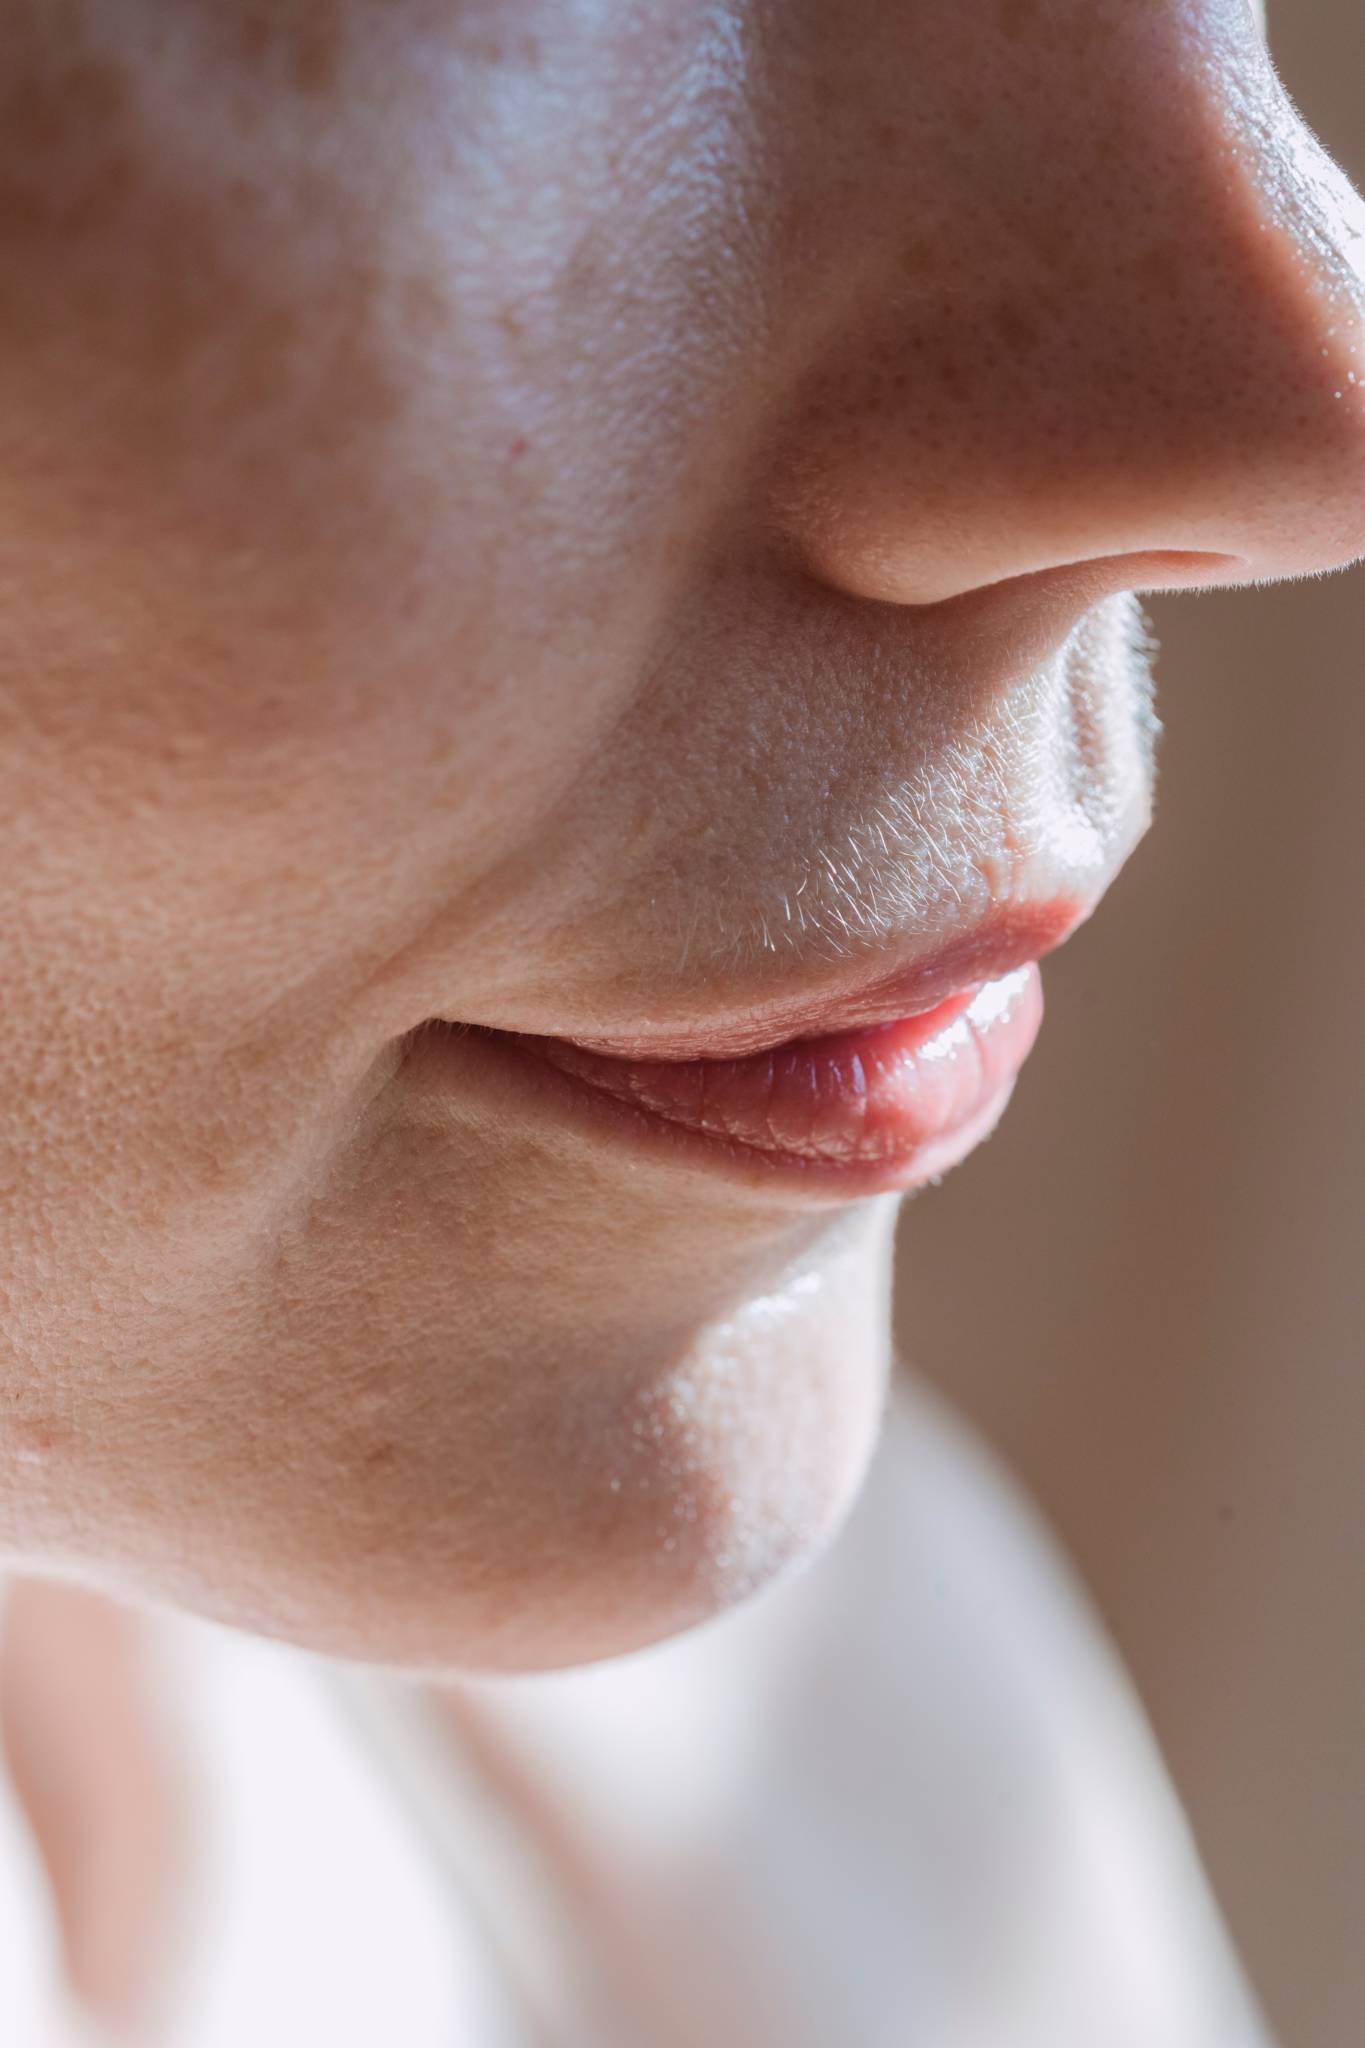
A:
(519, 446)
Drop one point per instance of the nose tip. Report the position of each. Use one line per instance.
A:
(1310, 224)
(1154, 350)
(1254, 409)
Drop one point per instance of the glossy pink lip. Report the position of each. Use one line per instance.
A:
(1011, 938)
(880, 1107)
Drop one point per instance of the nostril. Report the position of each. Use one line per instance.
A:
(1150, 569)
(1173, 569)
(1086, 578)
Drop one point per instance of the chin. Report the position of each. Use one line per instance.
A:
(613, 1523)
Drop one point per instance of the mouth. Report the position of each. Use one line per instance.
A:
(875, 1090)
(875, 1045)
(878, 1108)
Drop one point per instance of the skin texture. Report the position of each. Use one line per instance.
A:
(495, 501)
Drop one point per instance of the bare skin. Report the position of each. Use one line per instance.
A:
(495, 497)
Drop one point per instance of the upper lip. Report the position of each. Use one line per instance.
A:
(1007, 939)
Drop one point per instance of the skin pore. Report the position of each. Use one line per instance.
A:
(499, 502)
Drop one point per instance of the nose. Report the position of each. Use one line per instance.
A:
(1109, 303)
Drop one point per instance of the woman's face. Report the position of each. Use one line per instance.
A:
(610, 521)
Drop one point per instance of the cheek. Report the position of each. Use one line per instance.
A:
(269, 495)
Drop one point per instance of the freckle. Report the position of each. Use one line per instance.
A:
(25, 211)
(1017, 17)
(513, 326)
(98, 89)
(103, 199)
(245, 194)
(310, 50)
(582, 273)
(266, 358)
(34, 1443)
(1015, 328)
(1090, 25)
(926, 258)
(1055, 245)
(45, 115)
(254, 37)
(424, 306)
(1158, 269)
(317, 53)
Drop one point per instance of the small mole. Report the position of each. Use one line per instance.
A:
(316, 56)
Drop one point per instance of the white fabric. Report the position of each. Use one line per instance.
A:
(316, 1924)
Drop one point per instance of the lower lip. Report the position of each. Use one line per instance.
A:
(882, 1108)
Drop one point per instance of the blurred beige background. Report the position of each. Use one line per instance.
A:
(1149, 1288)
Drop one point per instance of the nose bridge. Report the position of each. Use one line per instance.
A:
(1136, 324)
